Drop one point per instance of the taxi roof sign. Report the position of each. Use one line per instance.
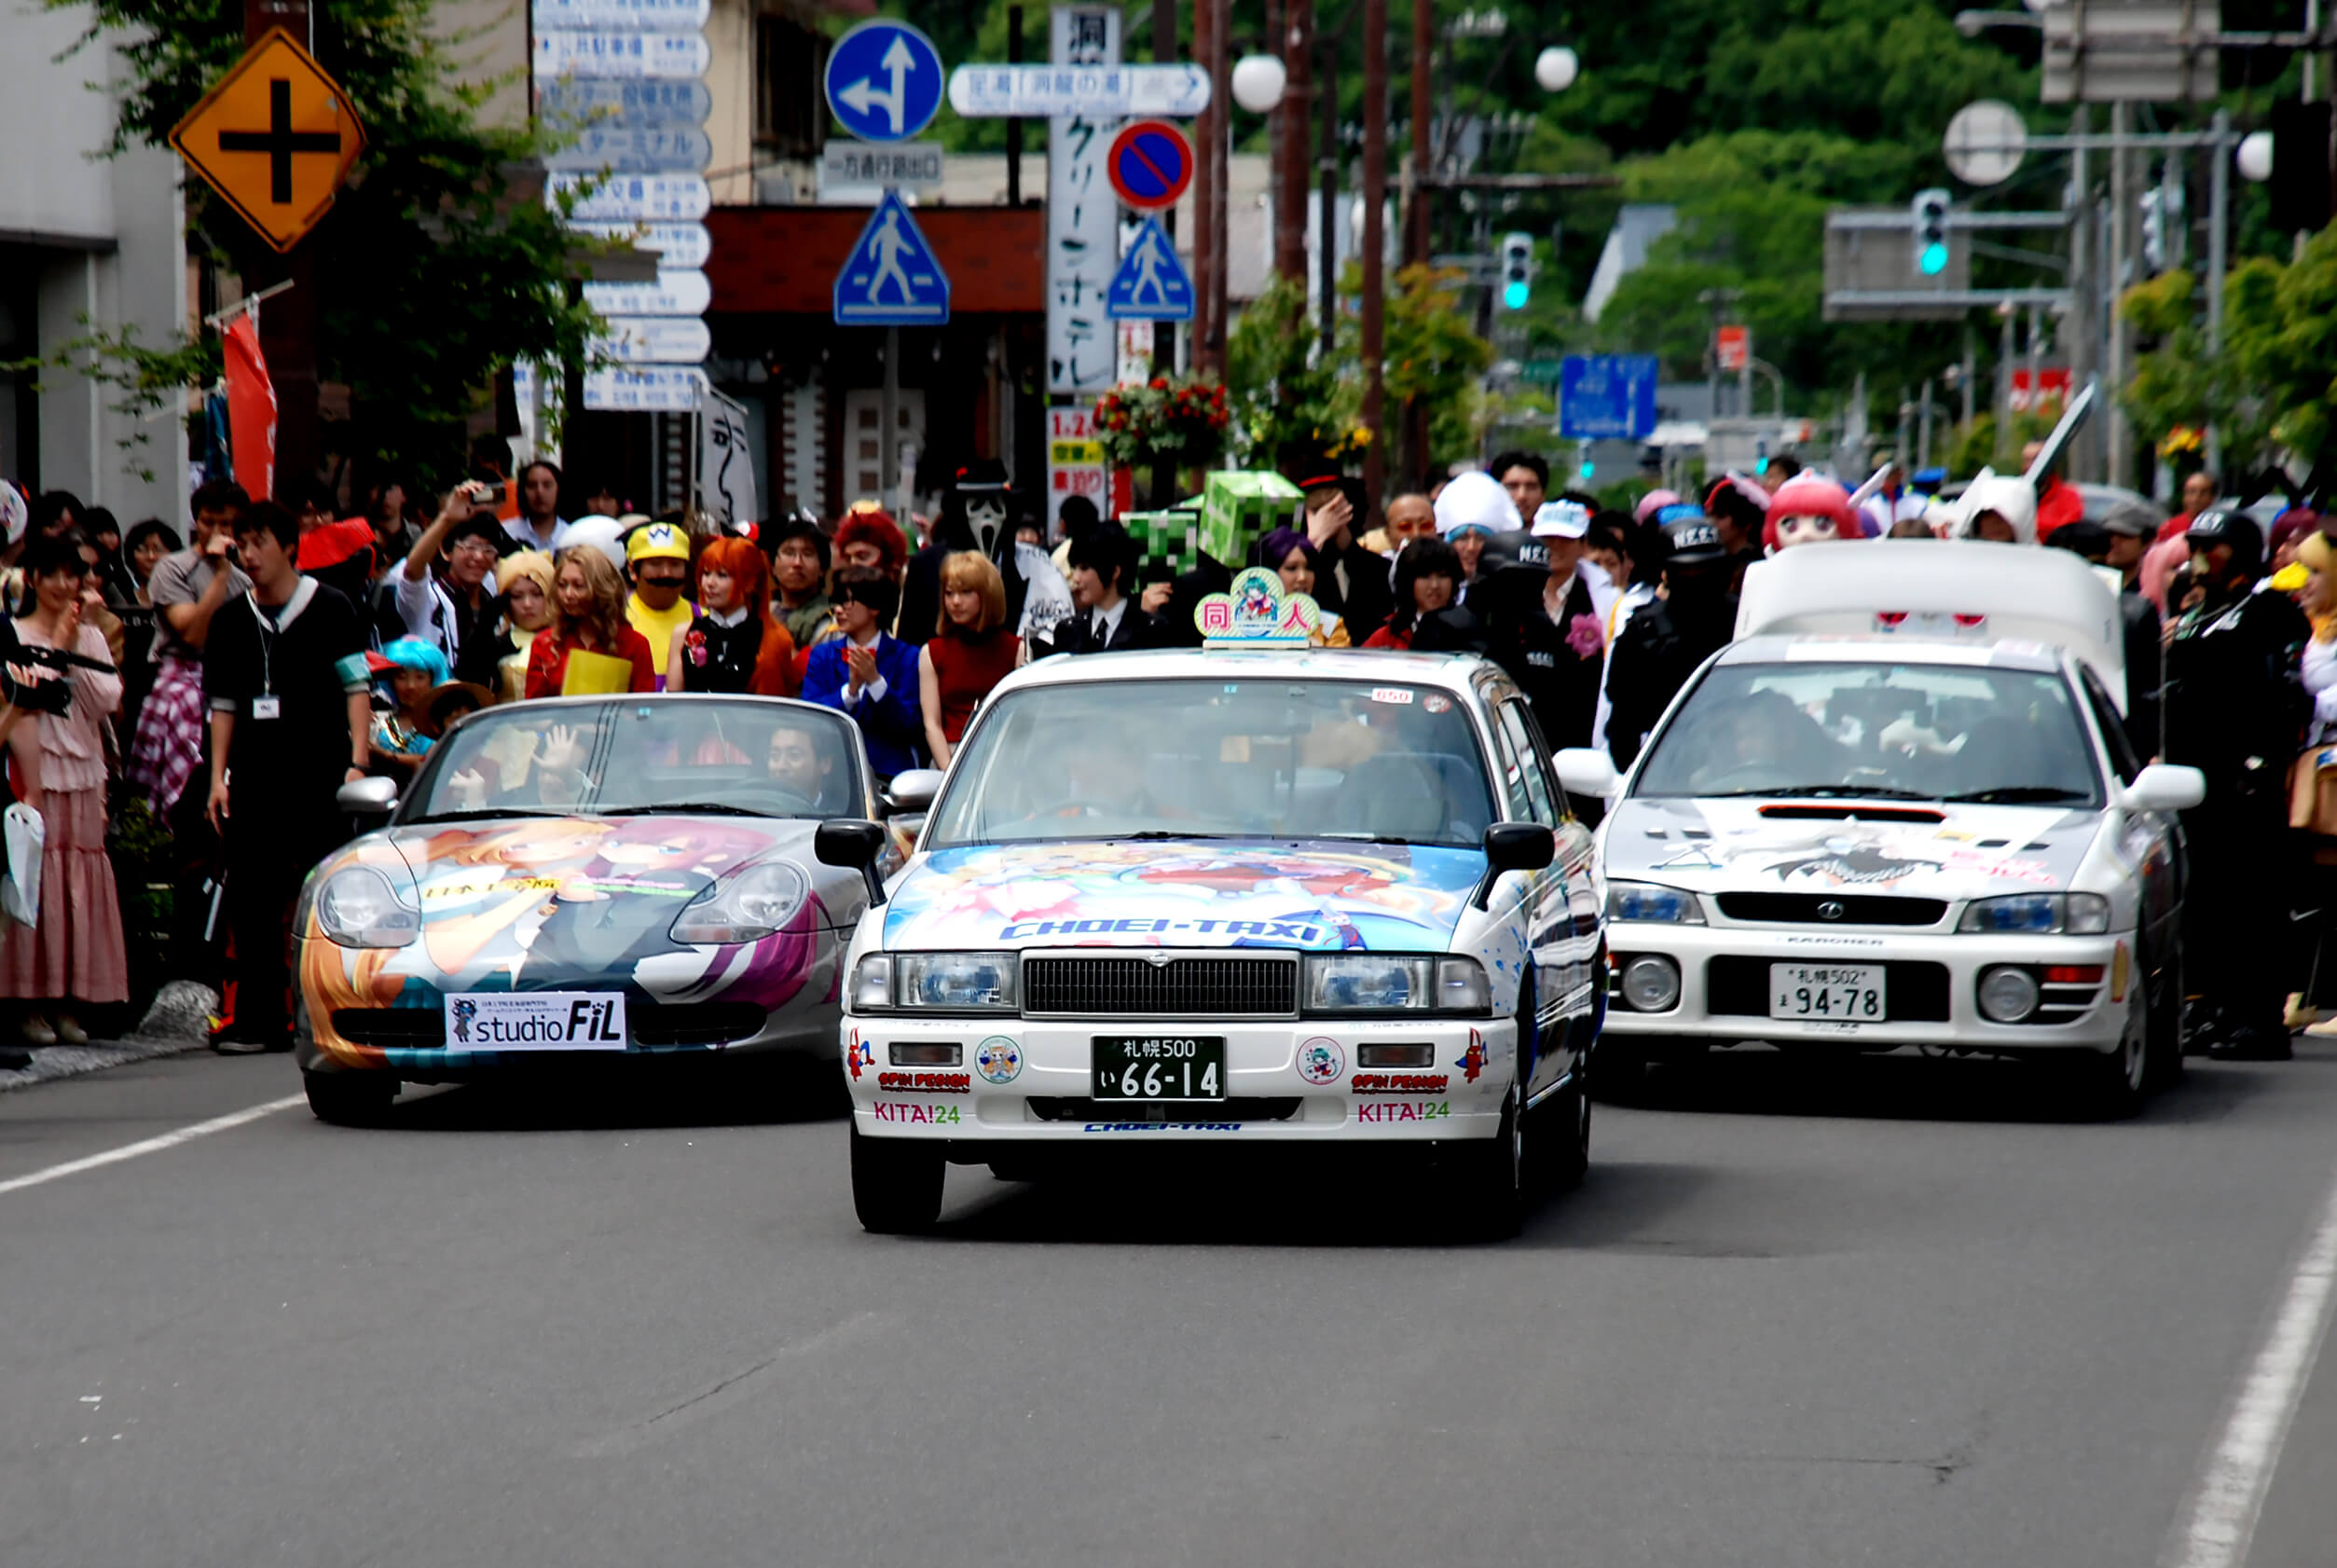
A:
(1940, 590)
(1257, 614)
(275, 138)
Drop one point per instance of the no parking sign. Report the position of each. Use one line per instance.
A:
(1150, 164)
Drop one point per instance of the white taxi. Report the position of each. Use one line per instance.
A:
(1901, 809)
(1185, 901)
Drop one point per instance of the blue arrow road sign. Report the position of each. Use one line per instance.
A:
(885, 81)
(891, 278)
(1606, 397)
(1150, 284)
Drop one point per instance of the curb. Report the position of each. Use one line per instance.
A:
(51, 1063)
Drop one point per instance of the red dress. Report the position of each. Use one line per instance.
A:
(965, 669)
(547, 661)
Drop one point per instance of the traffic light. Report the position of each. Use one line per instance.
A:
(1929, 213)
(2299, 186)
(1583, 465)
(2153, 230)
(1760, 455)
(1517, 271)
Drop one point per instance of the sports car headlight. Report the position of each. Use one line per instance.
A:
(2037, 915)
(1395, 983)
(358, 908)
(938, 982)
(1646, 902)
(746, 907)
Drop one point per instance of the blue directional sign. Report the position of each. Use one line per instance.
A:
(1150, 284)
(891, 278)
(885, 81)
(1606, 397)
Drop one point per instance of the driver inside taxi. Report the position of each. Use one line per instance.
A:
(801, 768)
(1767, 741)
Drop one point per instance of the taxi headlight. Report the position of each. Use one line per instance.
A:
(358, 908)
(746, 907)
(2037, 915)
(938, 982)
(1396, 983)
(1646, 902)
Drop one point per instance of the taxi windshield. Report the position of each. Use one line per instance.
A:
(747, 757)
(1219, 759)
(1917, 732)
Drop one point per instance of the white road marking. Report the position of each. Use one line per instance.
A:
(151, 1145)
(2231, 1495)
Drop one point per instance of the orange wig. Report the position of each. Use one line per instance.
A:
(750, 585)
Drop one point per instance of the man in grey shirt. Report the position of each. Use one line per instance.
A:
(188, 587)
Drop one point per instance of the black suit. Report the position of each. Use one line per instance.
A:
(1135, 630)
(1364, 601)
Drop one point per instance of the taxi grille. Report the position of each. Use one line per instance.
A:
(1181, 989)
(1850, 909)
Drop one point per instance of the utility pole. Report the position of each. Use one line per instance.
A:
(1220, 65)
(1297, 118)
(2218, 222)
(288, 325)
(1375, 195)
(1326, 204)
(1209, 145)
(2116, 433)
(1416, 207)
(1164, 53)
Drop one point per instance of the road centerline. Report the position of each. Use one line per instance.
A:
(154, 1144)
(2221, 1523)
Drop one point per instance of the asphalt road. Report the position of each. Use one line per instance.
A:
(1894, 1319)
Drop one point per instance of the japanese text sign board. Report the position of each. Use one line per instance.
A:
(1075, 460)
(891, 278)
(1150, 164)
(1101, 90)
(275, 138)
(1082, 214)
(1733, 346)
(1606, 397)
(883, 80)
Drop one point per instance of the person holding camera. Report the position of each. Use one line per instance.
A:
(74, 953)
(459, 609)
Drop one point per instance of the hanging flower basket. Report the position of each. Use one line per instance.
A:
(1179, 422)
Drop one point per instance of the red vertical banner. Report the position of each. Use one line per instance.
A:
(251, 409)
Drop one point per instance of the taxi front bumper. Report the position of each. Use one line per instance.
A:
(1284, 1081)
(1931, 986)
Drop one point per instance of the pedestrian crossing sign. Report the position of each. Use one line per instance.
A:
(1151, 284)
(891, 278)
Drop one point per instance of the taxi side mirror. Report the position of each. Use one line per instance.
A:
(368, 797)
(2166, 787)
(1514, 847)
(853, 843)
(913, 790)
(1588, 772)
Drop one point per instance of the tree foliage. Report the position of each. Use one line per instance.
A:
(432, 270)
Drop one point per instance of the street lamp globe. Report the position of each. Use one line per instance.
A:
(1556, 67)
(2255, 156)
(1258, 82)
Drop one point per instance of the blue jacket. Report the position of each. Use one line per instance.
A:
(894, 727)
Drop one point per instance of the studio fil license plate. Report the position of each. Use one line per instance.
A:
(1829, 993)
(536, 1020)
(1159, 1066)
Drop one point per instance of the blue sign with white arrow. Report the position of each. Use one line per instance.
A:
(891, 278)
(885, 80)
(1151, 284)
(1606, 397)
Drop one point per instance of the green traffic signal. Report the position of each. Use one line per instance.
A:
(1935, 261)
(1513, 294)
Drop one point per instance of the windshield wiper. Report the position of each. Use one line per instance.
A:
(1171, 833)
(1837, 792)
(2013, 794)
(703, 808)
(1370, 838)
(481, 814)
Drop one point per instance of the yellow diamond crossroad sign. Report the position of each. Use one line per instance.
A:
(275, 138)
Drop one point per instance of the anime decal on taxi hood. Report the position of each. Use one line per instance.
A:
(1946, 851)
(535, 905)
(1313, 894)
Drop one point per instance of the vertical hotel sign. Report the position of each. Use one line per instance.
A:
(1082, 212)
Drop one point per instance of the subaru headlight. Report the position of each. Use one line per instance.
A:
(1396, 983)
(937, 982)
(745, 907)
(358, 908)
(1647, 903)
(2077, 915)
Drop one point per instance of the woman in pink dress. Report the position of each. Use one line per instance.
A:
(75, 954)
